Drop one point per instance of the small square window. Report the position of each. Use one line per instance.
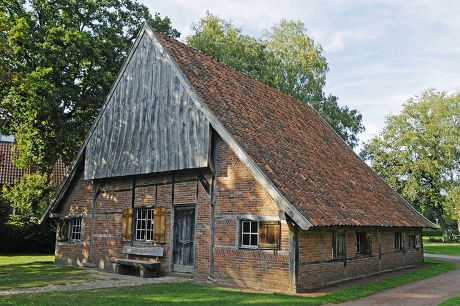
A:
(249, 233)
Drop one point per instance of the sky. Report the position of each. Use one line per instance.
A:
(380, 53)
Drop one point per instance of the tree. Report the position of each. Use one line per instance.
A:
(418, 153)
(59, 59)
(285, 58)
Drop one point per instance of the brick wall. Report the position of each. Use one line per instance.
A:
(317, 268)
(239, 196)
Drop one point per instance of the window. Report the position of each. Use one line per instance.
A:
(144, 224)
(75, 229)
(362, 243)
(249, 233)
(260, 234)
(412, 241)
(399, 242)
(338, 245)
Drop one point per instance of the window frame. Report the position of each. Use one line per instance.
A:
(75, 223)
(147, 224)
(412, 241)
(362, 243)
(339, 253)
(250, 233)
(399, 241)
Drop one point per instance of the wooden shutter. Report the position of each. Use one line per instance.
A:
(127, 224)
(63, 230)
(159, 225)
(269, 234)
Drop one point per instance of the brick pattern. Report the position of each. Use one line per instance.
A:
(238, 194)
(316, 267)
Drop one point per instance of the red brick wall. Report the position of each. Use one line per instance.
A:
(239, 194)
(316, 267)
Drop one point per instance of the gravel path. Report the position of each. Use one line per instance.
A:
(431, 291)
(108, 280)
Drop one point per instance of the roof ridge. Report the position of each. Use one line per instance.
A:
(235, 70)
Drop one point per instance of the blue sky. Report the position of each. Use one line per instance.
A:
(380, 53)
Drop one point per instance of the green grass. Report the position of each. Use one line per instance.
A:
(192, 294)
(440, 247)
(453, 301)
(22, 271)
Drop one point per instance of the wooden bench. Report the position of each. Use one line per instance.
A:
(146, 268)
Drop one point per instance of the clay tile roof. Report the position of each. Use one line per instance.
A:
(9, 173)
(313, 168)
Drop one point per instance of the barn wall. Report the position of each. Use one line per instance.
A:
(238, 193)
(317, 269)
(150, 124)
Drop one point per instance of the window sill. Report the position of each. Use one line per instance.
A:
(75, 242)
(248, 247)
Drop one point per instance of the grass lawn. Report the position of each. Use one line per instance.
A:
(191, 293)
(21, 271)
(440, 248)
(454, 301)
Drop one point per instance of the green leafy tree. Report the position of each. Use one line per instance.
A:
(285, 58)
(58, 61)
(418, 153)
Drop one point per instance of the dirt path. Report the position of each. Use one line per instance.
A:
(432, 291)
(109, 280)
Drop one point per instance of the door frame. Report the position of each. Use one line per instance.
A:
(173, 216)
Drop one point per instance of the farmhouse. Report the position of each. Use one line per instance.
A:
(10, 174)
(195, 168)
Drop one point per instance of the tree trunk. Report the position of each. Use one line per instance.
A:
(458, 222)
(444, 228)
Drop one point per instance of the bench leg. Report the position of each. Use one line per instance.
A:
(147, 273)
(122, 269)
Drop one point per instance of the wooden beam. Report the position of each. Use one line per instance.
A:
(203, 181)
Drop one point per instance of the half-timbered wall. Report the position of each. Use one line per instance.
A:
(150, 123)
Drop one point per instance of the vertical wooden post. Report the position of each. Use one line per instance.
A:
(133, 198)
(293, 254)
(96, 190)
(213, 201)
(379, 241)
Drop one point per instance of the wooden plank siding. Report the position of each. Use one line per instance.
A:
(150, 123)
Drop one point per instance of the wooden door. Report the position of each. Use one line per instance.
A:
(184, 239)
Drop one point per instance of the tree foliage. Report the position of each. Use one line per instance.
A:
(285, 58)
(59, 59)
(418, 153)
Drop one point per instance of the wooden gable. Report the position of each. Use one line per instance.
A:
(150, 122)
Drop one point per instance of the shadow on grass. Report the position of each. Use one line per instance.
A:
(193, 294)
(39, 274)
